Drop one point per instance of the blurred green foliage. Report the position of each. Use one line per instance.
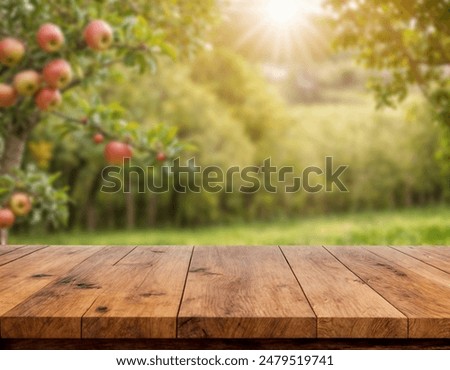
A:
(409, 40)
(219, 108)
(223, 107)
(424, 226)
(143, 32)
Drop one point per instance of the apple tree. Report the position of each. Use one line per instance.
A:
(52, 50)
(408, 42)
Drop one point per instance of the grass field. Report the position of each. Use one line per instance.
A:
(404, 227)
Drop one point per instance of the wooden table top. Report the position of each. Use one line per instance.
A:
(224, 292)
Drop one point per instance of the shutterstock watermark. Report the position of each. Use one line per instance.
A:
(190, 177)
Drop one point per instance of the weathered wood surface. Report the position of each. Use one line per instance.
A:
(144, 300)
(243, 292)
(434, 256)
(9, 254)
(344, 305)
(35, 269)
(56, 310)
(418, 295)
(120, 294)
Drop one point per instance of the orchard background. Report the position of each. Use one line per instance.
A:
(229, 83)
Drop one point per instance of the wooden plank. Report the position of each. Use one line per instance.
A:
(15, 253)
(243, 292)
(438, 257)
(8, 248)
(146, 296)
(425, 302)
(56, 310)
(412, 264)
(25, 276)
(345, 306)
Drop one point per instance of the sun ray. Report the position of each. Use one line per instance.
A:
(280, 31)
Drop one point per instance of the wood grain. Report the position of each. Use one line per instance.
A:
(21, 278)
(10, 254)
(412, 264)
(438, 257)
(56, 310)
(425, 302)
(248, 292)
(4, 249)
(144, 301)
(345, 306)
(225, 294)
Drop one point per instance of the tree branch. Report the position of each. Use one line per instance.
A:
(93, 68)
(413, 64)
(100, 130)
(67, 118)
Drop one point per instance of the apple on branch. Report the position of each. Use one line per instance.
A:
(27, 82)
(98, 35)
(48, 99)
(98, 138)
(20, 204)
(161, 157)
(50, 37)
(11, 51)
(57, 73)
(8, 96)
(7, 218)
(116, 152)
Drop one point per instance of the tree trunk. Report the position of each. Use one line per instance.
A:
(91, 211)
(110, 216)
(130, 210)
(73, 176)
(3, 236)
(91, 217)
(13, 151)
(152, 210)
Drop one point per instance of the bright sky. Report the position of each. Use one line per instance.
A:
(283, 12)
(277, 11)
(278, 24)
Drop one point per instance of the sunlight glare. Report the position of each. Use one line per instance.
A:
(283, 12)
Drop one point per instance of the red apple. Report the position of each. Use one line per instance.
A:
(27, 82)
(49, 37)
(98, 138)
(116, 152)
(57, 73)
(20, 204)
(48, 99)
(7, 218)
(8, 96)
(161, 157)
(11, 51)
(98, 35)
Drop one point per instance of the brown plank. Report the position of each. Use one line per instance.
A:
(345, 306)
(425, 302)
(412, 264)
(146, 296)
(438, 257)
(23, 277)
(8, 248)
(56, 310)
(243, 292)
(14, 253)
